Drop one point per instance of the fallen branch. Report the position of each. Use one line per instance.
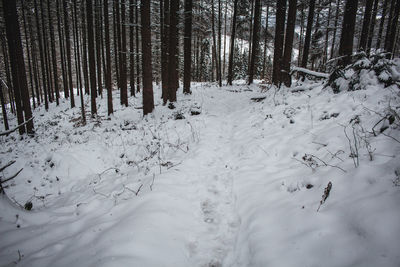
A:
(7, 165)
(12, 177)
(15, 128)
(309, 72)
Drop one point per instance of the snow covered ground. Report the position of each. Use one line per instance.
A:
(237, 185)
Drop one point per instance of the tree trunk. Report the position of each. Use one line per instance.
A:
(265, 43)
(20, 85)
(334, 29)
(68, 50)
(187, 47)
(92, 63)
(255, 41)
(61, 43)
(232, 44)
(124, 89)
(278, 44)
(41, 52)
(98, 47)
(164, 51)
(131, 48)
(28, 51)
(307, 40)
(393, 29)
(219, 45)
(148, 98)
(85, 51)
(346, 39)
(173, 51)
(108, 59)
(287, 55)
(137, 47)
(365, 26)
(53, 53)
(372, 26)
(381, 25)
(3, 107)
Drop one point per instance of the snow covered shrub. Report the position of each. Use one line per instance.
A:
(365, 71)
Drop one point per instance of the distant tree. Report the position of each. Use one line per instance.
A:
(20, 86)
(131, 48)
(232, 44)
(92, 62)
(68, 53)
(173, 82)
(255, 41)
(287, 54)
(346, 38)
(372, 25)
(148, 98)
(187, 47)
(123, 77)
(53, 52)
(365, 26)
(334, 28)
(392, 27)
(307, 40)
(3, 107)
(164, 50)
(381, 24)
(108, 59)
(278, 43)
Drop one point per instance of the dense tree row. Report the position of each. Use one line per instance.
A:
(63, 49)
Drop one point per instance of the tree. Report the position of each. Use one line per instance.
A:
(122, 59)
(173, 82)
(392, 27)
(365, 26)
(92, 67)
(287, 54)
(255, 41)
(131, 48)
(346, 38)
(148, 98)
(278, 44)
(232, 44)
(68, 50)
(372, 26)
(108, 59)
(164, 50)
(307, 40)
(187, 47)
(20, 84)
(382, 23)
(53, 53)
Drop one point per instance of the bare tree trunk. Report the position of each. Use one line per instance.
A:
(98, 47)
(85, 53)
(255, 41)
(328, 21)
(287, 55)
(173, 51)
(92, 63)
(131, 48)
(214, 48)
(307, 40)
(381, 25)
(137, 47)
(278, 44)
(393, 29)
(3, 107)
(164, 51)
(108, 59)
(68, 48)
(124, 89)
(53, 53)
(372, 26)
(20, 85)
(187, 47)
(46, 103)
(365, 26)
(148, 98)
(232, 44)
(346, 39)
(28, 54)
(224, 57)
(265, 43)
(219, 45)
(335, 27)
(61, 43)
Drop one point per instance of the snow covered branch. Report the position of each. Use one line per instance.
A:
(310, 72)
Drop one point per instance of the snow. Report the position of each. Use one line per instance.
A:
(237, 185)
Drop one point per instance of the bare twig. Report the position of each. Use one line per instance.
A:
(12, 177)
(15, 128)
(7, 165)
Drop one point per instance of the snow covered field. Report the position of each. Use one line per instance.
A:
(237, 185)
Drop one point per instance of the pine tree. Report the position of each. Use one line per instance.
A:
(108, 58)
(346, 38)
(287, 54)
(148, 98)
(307, 40)
(278, 43)
(232, 44)
(187, 47)
(92, 62)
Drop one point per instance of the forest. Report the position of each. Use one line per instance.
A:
(199, 133)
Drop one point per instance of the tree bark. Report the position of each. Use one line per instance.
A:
(124, 89)
(381, 25)
(148, 98)
(372, 26)
(365, 26)
(92, 63)
(108, 59)
(307, 40)
(346, 38)
(20, 85)
(287, 55)
(278, 44)
(131, 48)
(255, 41)
(68, 50)
(173, 77)
(232, 44)
(187, 47)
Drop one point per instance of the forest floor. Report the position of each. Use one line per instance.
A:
(227, 178)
